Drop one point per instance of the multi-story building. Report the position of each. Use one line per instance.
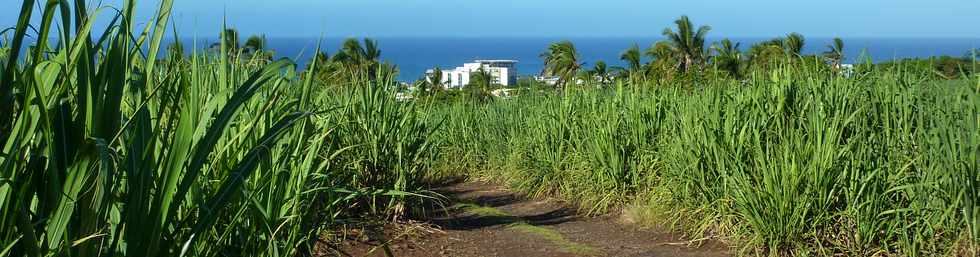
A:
(504, 72)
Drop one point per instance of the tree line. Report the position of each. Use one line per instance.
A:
(683, 54)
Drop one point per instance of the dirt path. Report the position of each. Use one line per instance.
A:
(489, 221)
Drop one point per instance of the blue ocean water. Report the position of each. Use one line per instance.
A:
(414, 55)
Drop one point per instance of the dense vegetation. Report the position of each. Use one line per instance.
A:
(772, 150)
(111, 149)
(793, 162)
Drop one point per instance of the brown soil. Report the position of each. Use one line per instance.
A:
(489, 221)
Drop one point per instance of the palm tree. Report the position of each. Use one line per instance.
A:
(761, 55)
(326, 69)
(687, 43)
(599, 73)
(230, 39)
(354, 61)
(793, 44)
(350, 52)
(355, 58)
(480, 83)
(561, 60)
(660, 51)
(371, 50)
(632, 57)
(728, 57)
(255, 44)
(430, 83)
(481, 78)
(663, 63)
(386, 70)
(835, 53)
(436, 78)
(322, 59)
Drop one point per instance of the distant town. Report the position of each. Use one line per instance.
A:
(502, 72)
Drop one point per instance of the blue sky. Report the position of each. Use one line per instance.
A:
(563, 18)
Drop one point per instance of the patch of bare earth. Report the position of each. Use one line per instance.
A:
(487, 220)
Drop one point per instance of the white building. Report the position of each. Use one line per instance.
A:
(547, 80)
(504, 72)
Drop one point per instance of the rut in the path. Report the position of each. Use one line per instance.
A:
(489, 221)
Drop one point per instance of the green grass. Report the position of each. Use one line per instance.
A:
(111, 150)
(794, 161)
(108, 148)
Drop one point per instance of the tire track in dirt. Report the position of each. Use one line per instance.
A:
(486, 220)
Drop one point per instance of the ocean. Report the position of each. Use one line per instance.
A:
(415, 55)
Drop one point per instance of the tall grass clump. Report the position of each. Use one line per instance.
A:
(109, 149)
(389, 145)
(582, 145)
(106, 155)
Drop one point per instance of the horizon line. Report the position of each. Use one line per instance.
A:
(585, 37)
